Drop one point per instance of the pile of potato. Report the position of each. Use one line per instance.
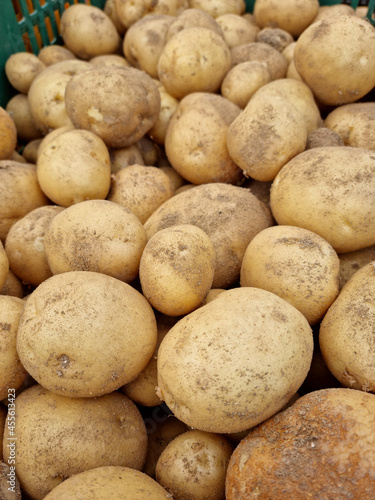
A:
(187, 255)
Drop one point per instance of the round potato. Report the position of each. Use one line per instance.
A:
(351, 262)
(194, 466)
(175, 178)
(70, 436)
(236, 30)
(218, 8)
(150, 150)
(12, 286)
(276, 37)
(119, 104)
(129, 12)
(323, 137)
(322, 444)
(109, 60)
(335, 76)
(193, 18)
(328, 11)
(168, 106)
(193, 60)
(51, 54)
(19, 110)
(141, 189)
(21, 69)
(288, 52)
(236, 361)
(333, 188)
(346, 333)
(262, 52)
(295, 264)
(196, 139)
(8, 135)
(31, 150)
(123, 157)
(95, 235)
(110, 10)
(70, 318)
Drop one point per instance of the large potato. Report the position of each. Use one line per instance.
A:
(119, 104)
(333, 188)
(234, 362)
(337, 76)
(230, 215)
(74, 317)
(70, 436)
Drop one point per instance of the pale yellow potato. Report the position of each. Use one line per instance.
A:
(21, 68)
(70, 436)
(193, 18)
(51, 54)
(193, 60)
(18, 108)
(17, 157)
(144, 42)
(141, 189)
(354, 123)
(31, 151)
(236, 30)
(234, 362)
(95, 235)
(177, 269)
(218, 8)
(292, 72)
(276, 37)
(84, 159)
(262, 52)
(12, 286)
(9, 484)
(117, 483)
(24, 245)
(212, 294)
(289, 51)
(293, 16)
(322, 137)
(110, 10)
(295, 264)
(351, 262)
(333, 189)
(87, 31)
(12, 373)
(268, 133)
(183, 188)
(119, 104)
(230, 215)
(123, 157)
(150, 150)
(194, 465)
(196, 139)
(4, 266)
(168, 106)
(243, 80)
(334, 75)
(175, 178)
(8, 135)
(74, 317)
(129, 12)
(109, 60)
(20, 193)
(346, 336)
(51, 136)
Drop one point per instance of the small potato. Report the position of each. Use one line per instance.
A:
(194, 466)
(193, 18)
(109, 60)
(12, 373)
(66, 362)
(236, 30)
(141, 189)
(31, 151)
(292, 72)
(24, 245)
(12, 286)
(19, 110)
(123, 157)
(168, 106)
(193, 60)
(70, 436)
(276, 37)
(351, 262)
(8, 135)
(323, 137)
(95, 235)
(196, 139)
(175, 178)
(87, 31)
(289, 51)
(51, 54)
(110, 10)
(262, 52)
(177, 269)
(243, 80)
(4, 266)
(295, 264)
(150, 150)
(212, 294)
(74, 167)
(218, 8)
(236, 361)
(21, 69)
(129, 12)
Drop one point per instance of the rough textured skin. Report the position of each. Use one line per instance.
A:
(263, 52)
(323, 447)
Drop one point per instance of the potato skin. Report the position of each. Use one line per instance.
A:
(8, 135)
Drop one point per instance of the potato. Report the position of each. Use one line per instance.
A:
(168, 106)
(24, 245)
(335, 76)
(12, 373)
(4, 266)
(193, 60)
(261, 52)
(218, 8)
(354, 123)
(175, 178)
(346, 333)
(3, 416)
(276, 37)
(236, 361)
(12, 286)
(262, 190)
(288, 52)
(109, 60)
(50, 136)
(295, 264)
(150, 150)
(73, 167)
(333, 188)
(9, 484)
(141, 189)
(322, 444)
(20, 193)
(292, 72)
(177, 269)
(328, 11)
(236, 30)
(19, 110)
(70, 318)
(123, 157)
(268, 133)
(110, 10)
(118, 483)
(293, 16)
(17, 157)
(194, 465)
(196, 139)
(323, 137)
(212, 294)
(144, 42)
(87, 31)
(8, 135)
(119, 104)
(31, 151)
(230, 215)
(193, 18)
(21, 68)
(95, 235)
(130, 12)
(351, 262)
(70, 436)
(51, 54)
